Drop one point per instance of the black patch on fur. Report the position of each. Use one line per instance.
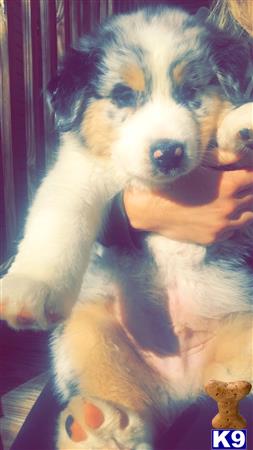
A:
(222, 61)
(71, 89)
(230, 59)
(123, 96)
(197, 76)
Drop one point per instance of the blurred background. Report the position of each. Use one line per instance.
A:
(34, 35)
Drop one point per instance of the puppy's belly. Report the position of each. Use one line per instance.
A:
(182, 368)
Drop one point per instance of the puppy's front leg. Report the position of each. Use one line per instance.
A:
(45, 277)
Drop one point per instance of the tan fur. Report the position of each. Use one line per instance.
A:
(109, 368)
(98, 128)
(230, 355)
(208, 129)
(178, 72)
(105, 362)
(134, 77)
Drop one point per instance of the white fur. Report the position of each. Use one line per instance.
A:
(61, 227)
(232, 123)
(67, 213)
(158, 119)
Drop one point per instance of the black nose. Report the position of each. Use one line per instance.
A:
(167, 154)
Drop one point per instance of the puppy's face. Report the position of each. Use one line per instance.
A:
(148, 91)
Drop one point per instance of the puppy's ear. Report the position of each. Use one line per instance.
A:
(231, 60)
(69, 91)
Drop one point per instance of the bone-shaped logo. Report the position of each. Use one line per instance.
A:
(227, 396)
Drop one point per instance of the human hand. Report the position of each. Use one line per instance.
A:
(203, 207)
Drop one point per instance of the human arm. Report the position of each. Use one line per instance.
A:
(200, 209)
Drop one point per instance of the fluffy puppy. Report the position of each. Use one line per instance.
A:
(138, 106)
(140, 102)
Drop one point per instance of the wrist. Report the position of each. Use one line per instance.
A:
(137, 206)
(117, 230)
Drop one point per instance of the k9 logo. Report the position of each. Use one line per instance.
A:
(229, 439)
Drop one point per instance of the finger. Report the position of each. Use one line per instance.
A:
(244, 192)
(240, 180)
(246, 218)
(243, 204)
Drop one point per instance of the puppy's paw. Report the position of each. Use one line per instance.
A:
(235, 135)
(29, 303)
(96, 424)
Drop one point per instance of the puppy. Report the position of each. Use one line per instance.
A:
(141, 102)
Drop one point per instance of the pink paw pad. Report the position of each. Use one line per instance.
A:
(93, 416)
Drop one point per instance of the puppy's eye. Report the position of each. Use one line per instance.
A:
(191, 97)
(123, 95)
(190, 93)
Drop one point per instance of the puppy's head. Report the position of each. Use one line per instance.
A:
(147, 91)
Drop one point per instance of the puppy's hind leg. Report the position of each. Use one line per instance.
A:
(90, 423)
(117, 393)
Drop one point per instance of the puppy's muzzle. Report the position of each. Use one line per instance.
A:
(167, 154)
